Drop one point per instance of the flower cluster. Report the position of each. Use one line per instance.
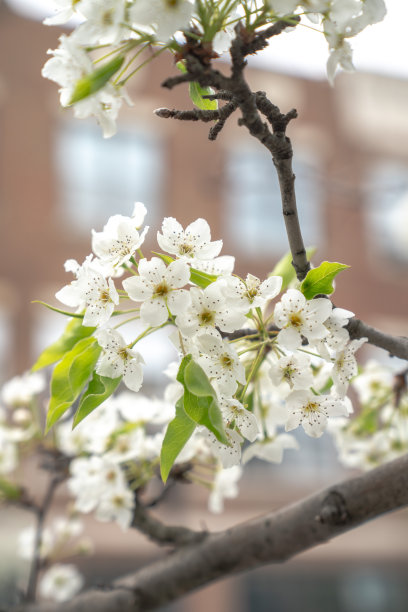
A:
(95, 85)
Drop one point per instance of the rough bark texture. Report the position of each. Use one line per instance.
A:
(272, 538)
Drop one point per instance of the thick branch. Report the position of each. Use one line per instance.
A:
(270, 539)
(397, 346)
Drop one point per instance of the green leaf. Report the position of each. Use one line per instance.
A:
(178, 433)
(99, 389)
(70, 376)
(94, 81)
(9, 491)
(200, 399)
(196, 94)
(202, 279)
(319, 280)
(285, 269)
(73, 332)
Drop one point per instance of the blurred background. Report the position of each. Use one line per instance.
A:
(59, 178)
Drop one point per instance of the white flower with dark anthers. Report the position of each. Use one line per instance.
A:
(92, 478)
(159, 288)
(104, 22)
(60, 582)
(270, 449)
(20, 390)
(228, 455)
(192, 243)
(224, 487)
(118, 359)
(208, 310)
(345, 366)
(312, 411)
(100, 298)
(66, 9)
(166, 17)
(300, 317)
(338, 336)
(250, 293)
(221, 363)
(120, 237)
(293, 370)
(234, 412)
(117, 505)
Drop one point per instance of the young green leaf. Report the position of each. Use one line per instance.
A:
(196, 94)
(202, 279)
(97, 79)
(73, 332)
(200, 399)
(99, 389)
(285, 269)
(320, 280)
(70, 376)
(178, 433)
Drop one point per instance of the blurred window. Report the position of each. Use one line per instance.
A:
(387, 209)
(101, 177)
(254, 221)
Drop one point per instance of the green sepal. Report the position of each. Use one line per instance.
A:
(178, 433)
(73, 332)
(70, 376)
(285, 269)
(99, 389)
(320, 280)
(97, 79)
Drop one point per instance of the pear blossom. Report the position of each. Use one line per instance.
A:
(207, 311)
(165, 16)
(251, 293)
(159, 288)
(230, 454)
(117, 506)
(104, 23)
(66, 9)
(345, 366)
(60, 582)
(300, 317)
(224, 487)
(20, 390)
(221, 363)
(234, 412)
(193, 242)
(120, 237)
(118, 359)
(293, 370)
(219, 266)
(270, 448)
(312, 411)
(374, 381)
(92, 478)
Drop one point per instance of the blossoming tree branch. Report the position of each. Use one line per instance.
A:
(257, 358)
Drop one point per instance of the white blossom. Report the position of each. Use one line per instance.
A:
(250, 293)
(234, 412)
(228, 455)
(66, 9)
(345, 366)
(60, 582)
(207, 311)
(300, 317)
(312, 411)
(224, 487)
(118, 359)
(159, 288)
(293, 370)
(26, 543)
(270, 449)
(120, 237)
(104, 22)
(116, 505)
(221, 363)
(165, 16)
(193, 242)
(21, 390)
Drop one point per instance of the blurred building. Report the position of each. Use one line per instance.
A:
(59, 179)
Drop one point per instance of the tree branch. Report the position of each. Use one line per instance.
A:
(164, 534)
(272, 538)
(397, 346)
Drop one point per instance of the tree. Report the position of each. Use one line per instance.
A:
(232, 344)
